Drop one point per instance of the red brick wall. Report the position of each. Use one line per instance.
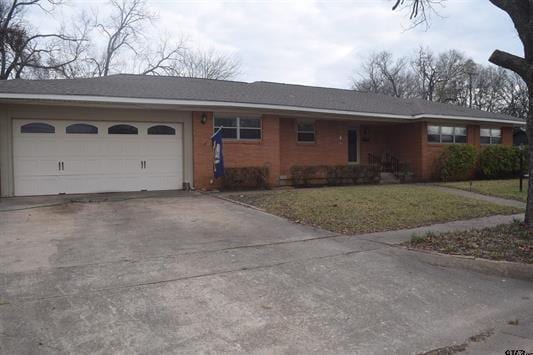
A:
(236, 153)
(330, 146)
(431, 151)
(279, 149)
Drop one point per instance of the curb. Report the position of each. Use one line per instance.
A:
(227, 199)
(508, 269)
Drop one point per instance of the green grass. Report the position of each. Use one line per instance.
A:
(510, 242)
(499, 188)
(362, 209)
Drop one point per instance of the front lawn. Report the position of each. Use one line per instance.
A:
(510, 242)
(499, 188)
(362, 209)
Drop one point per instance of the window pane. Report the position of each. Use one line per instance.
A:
(485, 132)
(229, 133)
(447, 138)
(122, 129)
(485, 140)
(306, 137)
(225, 122)
(496, 132)
(250, 122)
(460, 139)
(447, 130)
(37, 128)
(460, 131)
(250, 134)
(82, 128)
(496, 140)
(306, 127)
(161, 130)
(433, 130)
(434, 138)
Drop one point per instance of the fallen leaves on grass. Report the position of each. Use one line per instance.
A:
(510, 242)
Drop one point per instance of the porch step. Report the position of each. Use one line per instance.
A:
(388, 178)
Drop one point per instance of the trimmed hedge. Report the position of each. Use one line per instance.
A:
(336, 175)
(457, 162)
(499, 161)
(245, 178)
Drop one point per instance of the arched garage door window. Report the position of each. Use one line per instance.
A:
(161, 130)
(82, 128)
(37, 127)
(122, 129)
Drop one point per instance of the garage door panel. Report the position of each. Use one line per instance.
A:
(100, 183)
(94, 147)
(37, 147)
(162, 166)
(37, 185)
(28, 166)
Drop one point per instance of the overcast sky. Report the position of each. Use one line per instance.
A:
(324, 42)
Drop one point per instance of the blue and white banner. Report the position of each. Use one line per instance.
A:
(218, 161)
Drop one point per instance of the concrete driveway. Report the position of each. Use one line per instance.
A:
(193, 273)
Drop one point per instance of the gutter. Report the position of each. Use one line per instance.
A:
(225, 104)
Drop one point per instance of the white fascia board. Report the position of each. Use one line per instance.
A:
(226, 104)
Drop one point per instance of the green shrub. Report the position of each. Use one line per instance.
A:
(457, 162)
(499, 161)
(335, 175)
(245, 178)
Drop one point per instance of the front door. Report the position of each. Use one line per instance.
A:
(352, 146)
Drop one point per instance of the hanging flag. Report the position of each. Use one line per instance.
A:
(218, 161)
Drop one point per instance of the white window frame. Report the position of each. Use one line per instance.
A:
(453, 134)
(298, 131)
(490, 136)
(239, 128)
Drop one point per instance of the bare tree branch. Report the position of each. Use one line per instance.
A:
(20, 48)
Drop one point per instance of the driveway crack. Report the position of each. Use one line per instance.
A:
(193, 277)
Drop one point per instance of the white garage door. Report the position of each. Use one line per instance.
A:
(52, 157)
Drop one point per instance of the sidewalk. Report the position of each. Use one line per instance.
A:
(477, 196)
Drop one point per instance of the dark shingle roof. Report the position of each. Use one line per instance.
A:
(260, 92)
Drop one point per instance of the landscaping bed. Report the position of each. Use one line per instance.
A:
(499, 188)
(363, 209)
(509, 242)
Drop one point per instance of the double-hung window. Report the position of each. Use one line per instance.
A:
(305, 131)
(446, 134)
(235, 127)
(491, 136)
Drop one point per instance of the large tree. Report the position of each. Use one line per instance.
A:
(24, 51)
(123, 41)
(521, 13)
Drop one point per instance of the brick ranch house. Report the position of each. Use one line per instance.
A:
(132, 132)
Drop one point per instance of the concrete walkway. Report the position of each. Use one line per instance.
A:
(477, 196)
(403, 235)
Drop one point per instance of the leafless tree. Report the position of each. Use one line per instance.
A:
(208, 65)
(384, 74)
(521, 13)
(128, 49)
(24, 51)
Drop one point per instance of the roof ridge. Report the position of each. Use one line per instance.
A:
(178, 77)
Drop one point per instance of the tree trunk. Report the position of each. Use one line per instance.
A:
(529, 132)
